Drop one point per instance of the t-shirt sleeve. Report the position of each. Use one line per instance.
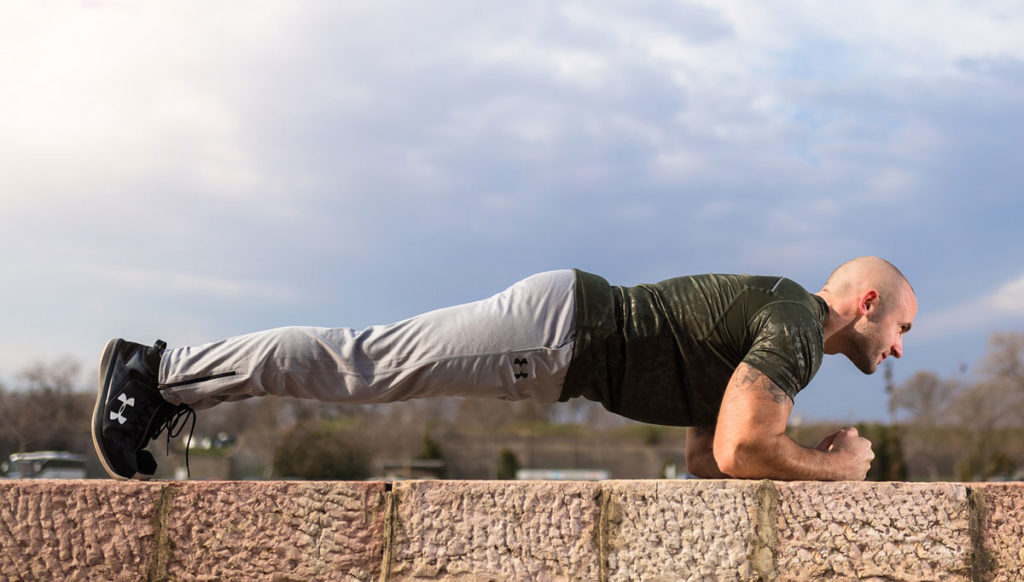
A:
(788, 343)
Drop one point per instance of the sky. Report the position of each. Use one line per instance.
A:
(194, 170)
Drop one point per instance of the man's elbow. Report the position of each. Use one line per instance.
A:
(738, 459)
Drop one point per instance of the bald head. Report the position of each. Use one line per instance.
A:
(871, 307)
(862, 274)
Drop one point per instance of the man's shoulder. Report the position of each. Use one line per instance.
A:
(737, 282)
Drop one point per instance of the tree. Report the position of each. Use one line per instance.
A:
(1005, 359)
(321, 450)
(926, 400)
(981, 414)
(45, 411)
(889, 464)
(1003, 366)
(508, 464)
(925, 396)
(986, 410)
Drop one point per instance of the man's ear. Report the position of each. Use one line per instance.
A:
(868, 301)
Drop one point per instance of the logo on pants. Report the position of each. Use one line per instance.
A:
(519, 367)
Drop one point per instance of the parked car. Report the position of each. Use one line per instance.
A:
(44, 465)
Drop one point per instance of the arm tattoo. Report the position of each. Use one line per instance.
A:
(776, 393)
(755, 380)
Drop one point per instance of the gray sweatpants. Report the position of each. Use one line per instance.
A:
(512, 346)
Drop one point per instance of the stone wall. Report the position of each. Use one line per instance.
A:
(490, 530)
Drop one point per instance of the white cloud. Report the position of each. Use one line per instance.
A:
(893, 182)
(715, 210)
(1001, 307)
(887, 38)
(679, 165)
(1009, 298)
(169, 283)
(118, 93)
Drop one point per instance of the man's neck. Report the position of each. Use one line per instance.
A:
(834, 323)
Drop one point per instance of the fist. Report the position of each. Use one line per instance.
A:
(853, 451)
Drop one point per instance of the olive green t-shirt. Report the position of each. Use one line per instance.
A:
(664, 353)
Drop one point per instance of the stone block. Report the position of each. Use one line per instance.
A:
(280, 531)
(890, 531)
(683, 530)
(495, 530)
(999, 546)
(76, 530)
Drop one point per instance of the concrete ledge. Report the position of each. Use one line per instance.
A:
(509, 530)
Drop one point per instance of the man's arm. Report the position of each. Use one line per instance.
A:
(700, 456)
(750, 440)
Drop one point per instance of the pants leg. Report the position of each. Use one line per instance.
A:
(514, 345)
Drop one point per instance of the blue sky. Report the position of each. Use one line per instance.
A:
(191, 171)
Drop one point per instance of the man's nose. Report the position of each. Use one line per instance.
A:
(897, 348)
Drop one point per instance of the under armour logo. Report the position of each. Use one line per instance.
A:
(520, 369)
(125, 402)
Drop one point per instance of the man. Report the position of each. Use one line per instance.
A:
(722, 354)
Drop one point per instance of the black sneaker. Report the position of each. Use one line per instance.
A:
(130, 411)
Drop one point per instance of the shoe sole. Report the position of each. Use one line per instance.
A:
(106, 368)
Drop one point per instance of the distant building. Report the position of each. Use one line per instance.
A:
(400, 469)
(562, 474)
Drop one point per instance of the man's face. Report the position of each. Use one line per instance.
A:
(879, 333)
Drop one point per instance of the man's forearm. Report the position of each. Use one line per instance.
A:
(750, 437)
(704, 466)
(700, 458)
(781, 458)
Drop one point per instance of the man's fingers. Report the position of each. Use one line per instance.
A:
(838, 438)
(826, 443)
